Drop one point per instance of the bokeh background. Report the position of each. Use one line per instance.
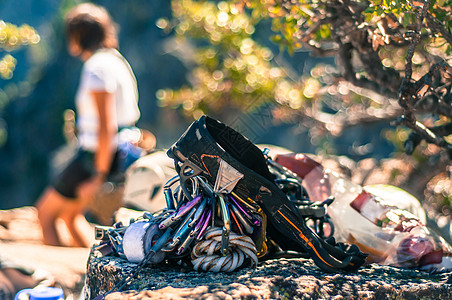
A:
(33, 101)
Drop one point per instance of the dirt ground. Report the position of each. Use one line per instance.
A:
(21, 244)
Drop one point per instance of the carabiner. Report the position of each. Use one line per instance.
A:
(226, 225)
(243, 222)
(169, 198)
(236, 226)
(206, 187)
(203, 224)
(188, 240)
(249, 216)
(251, 205)
(180, 213)
(198, 214)
(179, 232)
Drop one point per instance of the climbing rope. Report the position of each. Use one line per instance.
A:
(206, 255)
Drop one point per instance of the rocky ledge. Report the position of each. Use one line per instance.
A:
(273, 279)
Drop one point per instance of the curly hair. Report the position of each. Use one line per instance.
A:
(91, 27)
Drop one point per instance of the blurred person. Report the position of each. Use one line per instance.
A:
(106, 101)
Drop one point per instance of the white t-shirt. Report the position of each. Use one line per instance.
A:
(106, 70)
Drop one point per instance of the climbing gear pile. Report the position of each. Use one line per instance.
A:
(229, 205)
(212, 230)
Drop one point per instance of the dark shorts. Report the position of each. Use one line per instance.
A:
(79, 169)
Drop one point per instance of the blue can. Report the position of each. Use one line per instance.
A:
(41, 293)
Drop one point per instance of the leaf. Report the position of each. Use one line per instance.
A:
(379, 11)
(406, 20)
(370, 10)
(449, 50)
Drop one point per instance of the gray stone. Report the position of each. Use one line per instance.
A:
(272, 279)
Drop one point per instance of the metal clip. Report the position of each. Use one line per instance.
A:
(187, 171)
(206, 187)
(250, 204)
(249, 216)
(116, 242)
(197, 219)
(198, 213)
(180, 233)
(188, 240)
(204, 223)
(183, 210)
(195, 186)
(242, 219)
(101, 232)
(169, 198)
(226, 225)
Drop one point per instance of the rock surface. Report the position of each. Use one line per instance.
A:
(21, 245)
(273, 279)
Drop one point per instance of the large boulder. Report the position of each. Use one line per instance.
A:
(273, 279)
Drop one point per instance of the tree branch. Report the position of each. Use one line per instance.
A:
(438, 27)
(406, 91)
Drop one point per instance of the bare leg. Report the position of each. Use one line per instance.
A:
(50, 206)
(77, 225)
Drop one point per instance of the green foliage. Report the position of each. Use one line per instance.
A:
(378, 44)
(12, 38)
(231, 69)
(296, 21)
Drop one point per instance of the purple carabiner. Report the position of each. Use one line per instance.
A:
(251, 218)
(187, 207)
(204, 224)
(182, 211)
